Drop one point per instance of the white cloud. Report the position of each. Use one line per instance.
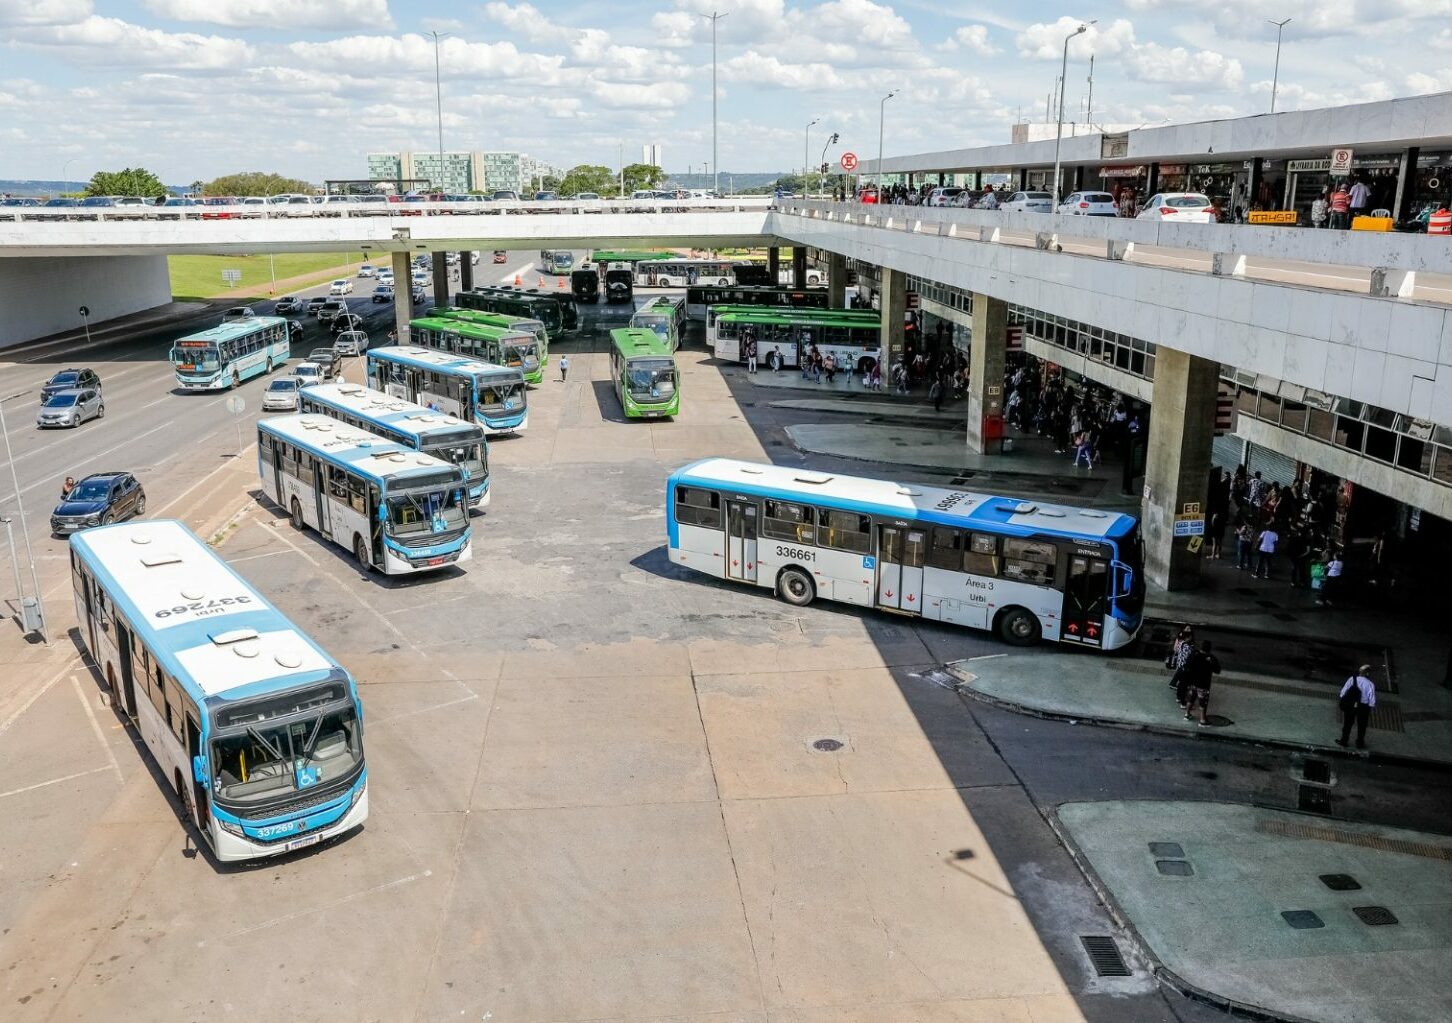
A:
(658, 95)
(44, 12)
(1421, 82)
(760, 69)
(415, 54)
(1151, 62)
(973, 38)
(525, 20)
(111, 42)
(1046, 42)
(333, 14)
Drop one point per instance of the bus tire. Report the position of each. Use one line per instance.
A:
(360, 551)
(1018, 626)
(236, 380)
(269, 364)
(795, 587)
(298, 522)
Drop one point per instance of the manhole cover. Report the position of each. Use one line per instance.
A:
(1302, 919)
(1375, 916)
(1318, 771)
(1104, 955)
(1217, 721)
(1174, 868)
(827, 745)
(1340, 882)
(1313, 800)
(1169, 850)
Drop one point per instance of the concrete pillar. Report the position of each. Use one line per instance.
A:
(1177, 464)
(1406, 181)
(1253, 179)
(986, 355)
(466, 271)
(799, 266)
(402, 295)
(1152, 182)
(441, 279)
(1023, 179)
(892, 302)
(773, 265)
(836, 280)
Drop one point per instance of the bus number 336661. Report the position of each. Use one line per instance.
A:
(789, 552)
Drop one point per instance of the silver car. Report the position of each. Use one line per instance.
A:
(351, 342)
(71, 407)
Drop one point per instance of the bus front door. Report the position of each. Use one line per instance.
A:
(900, 553)
(320, 495)
(1086, 592)
(741, 541)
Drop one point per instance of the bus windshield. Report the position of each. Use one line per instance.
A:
(261, 762)
(660, 324)
(651, 378)
(500, 395)
(464, 450)
(199, 357)
(423, 511)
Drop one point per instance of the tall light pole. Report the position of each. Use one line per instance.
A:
(881, 118)
(66, 171)
(24, 531)
(714, 17)
(1089, 107)
(831, 141)
(1276, 74)
(439, 101)
(806, 142)
(1059, 131)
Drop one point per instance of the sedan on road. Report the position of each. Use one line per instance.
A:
(1179, 208)
(500, 256)
(1028, 202)
(330, 308)
(238, 312)
(383, 293)
(366, 270)
(99, 500)
(308, 373)
(342, 286)
(315, 304)
(345, 321)
(282, 395)
(70, 379)
(1089, 204)
(71, 408)
(289, 305)
(351, 342)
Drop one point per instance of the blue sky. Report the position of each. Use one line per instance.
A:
(197, 88)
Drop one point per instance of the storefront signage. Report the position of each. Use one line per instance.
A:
(1340, 165)
(1114, 146)
(1168, 169)
(1189, 525)
(1272, 216)
(1121, 172)
(1357, 162)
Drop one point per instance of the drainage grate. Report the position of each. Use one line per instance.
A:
(1318, 771)
(1169, 850)
(1314, 800)
(1174, 868)
(1104, 955)
(1386, 716)
(1321, 833)
(1341, 882)
(827, 745)
(1375, 916)
(1302, 919)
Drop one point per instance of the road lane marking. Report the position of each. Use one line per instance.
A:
(385, 886)
(96, 728)
(55, 781)
(221, 468)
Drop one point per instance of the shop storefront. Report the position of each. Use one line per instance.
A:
(1127, 184)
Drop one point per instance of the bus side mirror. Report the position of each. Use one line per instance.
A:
(1123, 579)
(199, 769)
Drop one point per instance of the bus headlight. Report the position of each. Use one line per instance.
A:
(229, 827)
(357, 795)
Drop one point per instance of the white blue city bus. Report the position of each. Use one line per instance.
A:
(468, 388)
(222, 357)
(397, 510)
(415, 427)
(258, 730)
(1026, 570)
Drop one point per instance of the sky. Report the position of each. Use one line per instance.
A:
(193, 89)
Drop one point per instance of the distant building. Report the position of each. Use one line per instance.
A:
(461, 172)
(650, 154)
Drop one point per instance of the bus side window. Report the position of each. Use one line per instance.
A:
(1029, 561)
(337, 483)
(784, 520)
(698, 507)
(845, 531)
(982, 555)
(355, 495)
(158, 691)
(945, 549)
(175, 715)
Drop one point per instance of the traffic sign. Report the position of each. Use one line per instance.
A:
(236, 404)
(231, 277)
(849, 161)
(1340, 163)
(85, 310)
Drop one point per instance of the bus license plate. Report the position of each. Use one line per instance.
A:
(435, 561)
(303, 843)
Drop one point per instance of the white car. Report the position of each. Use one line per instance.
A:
(1179, 208)
(1028, 202)
(282, 395)
(366, 270)
(944, 195)
(1089, 204)
(351, 342)
(385, 277)
(420, 278)
(343, 286)
(988, 200)
(238, 312)
(308, 373)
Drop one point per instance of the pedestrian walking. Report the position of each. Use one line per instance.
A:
(1331, 580)
(750, 355)
(564, 367)
(1199, 670)
(1083, 450)
(1358, 696)
(1340, 208)
(1180, 652)
(1244, 540)
(1320, 208)
(1265, 552)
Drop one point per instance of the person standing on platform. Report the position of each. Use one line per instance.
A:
(1358, 696)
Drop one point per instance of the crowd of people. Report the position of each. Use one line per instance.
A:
(1085, 422)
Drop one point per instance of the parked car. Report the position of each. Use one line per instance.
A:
(505, 195)
(282, 395)
(289, 304)
(307, 373)
(326, 359)
(351, 342)
(19, 201)
(500, 256)
(71, 407)
(1089, 204)
(238, 312)
(210, 204)
(178, 207)
(987, 201)
(546, 196)
(944, 195)
(366, 270)
(70, 379)
(1028, 202)
(1179, 208)
(315, 304)
(98, 500)
(383, 293)
(330, 308)
(342, 286)
(345, 321)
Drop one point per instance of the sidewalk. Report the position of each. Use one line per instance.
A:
(107, 330)
(1296, 917)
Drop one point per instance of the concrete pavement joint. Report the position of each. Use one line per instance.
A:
(96, 728)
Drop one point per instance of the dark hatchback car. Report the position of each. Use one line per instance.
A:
(70, 379)
(99, 500)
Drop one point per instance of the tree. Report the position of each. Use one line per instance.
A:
(588, 177)
(131, 181)
(255, 183)
(642, 176)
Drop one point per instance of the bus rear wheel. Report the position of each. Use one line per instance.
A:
(795, 587)
(1019, 627)
(269, 364)
(297, 516)
(236, 380)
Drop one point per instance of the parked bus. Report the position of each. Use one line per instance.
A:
(585, 283)
(506, 320)
(397, 510)
(251, 722)
(703, 296)
(619, 283)
(795, 313)
(664, 315)
(499, 345)
(556, 312)
(556, 261)
(630, 257)
(224, 356)
(643, 368)
(493, 396)
(781, 336)
(415, 427)
(1027, 571)
(680, 273)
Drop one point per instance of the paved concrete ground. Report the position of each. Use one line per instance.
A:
(1221, 928)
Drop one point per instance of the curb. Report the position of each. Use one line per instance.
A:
(1161, 972)
(1389, 759)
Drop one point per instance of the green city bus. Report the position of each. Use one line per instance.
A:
(664, 315)
(799, 314)
(504, 320)
(783, 335)
(556, 312)
(516, 349)
(631, 256)
(644, 370)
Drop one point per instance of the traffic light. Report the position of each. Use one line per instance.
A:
(824, 168)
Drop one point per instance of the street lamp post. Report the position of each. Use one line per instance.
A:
(1276, 74)
(66, 171)
(439, 103)
(806, 143)
(831, 141)
(881, 118)
(1059, 131)
(714, 17)
(25, 535)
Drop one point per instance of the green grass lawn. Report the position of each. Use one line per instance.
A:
(200, 277)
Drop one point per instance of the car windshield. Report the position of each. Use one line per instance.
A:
(262, 762)
(425, 511)
(91, 490)
(305, 371)
(1098, 197)
(282, 385)
(653, 379)
(60, 401)
(1184, 201)
(64, 379)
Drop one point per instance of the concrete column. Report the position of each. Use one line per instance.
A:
(799, 266)
(986, 355)
(836, 280)
(1177, 464)
(441, 279)
(466, 271)
(402, 295)
(773, 265)
(1152, 182)
(1079, 178)
(892, 302)
(1406, 181)
(1023, 179)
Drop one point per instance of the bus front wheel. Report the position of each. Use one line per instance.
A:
(1019, 627)
(795, 587)
(297, 516)
(236, 380)
(360, 551)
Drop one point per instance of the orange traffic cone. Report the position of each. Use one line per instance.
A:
(516, 280)
(560, 284)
